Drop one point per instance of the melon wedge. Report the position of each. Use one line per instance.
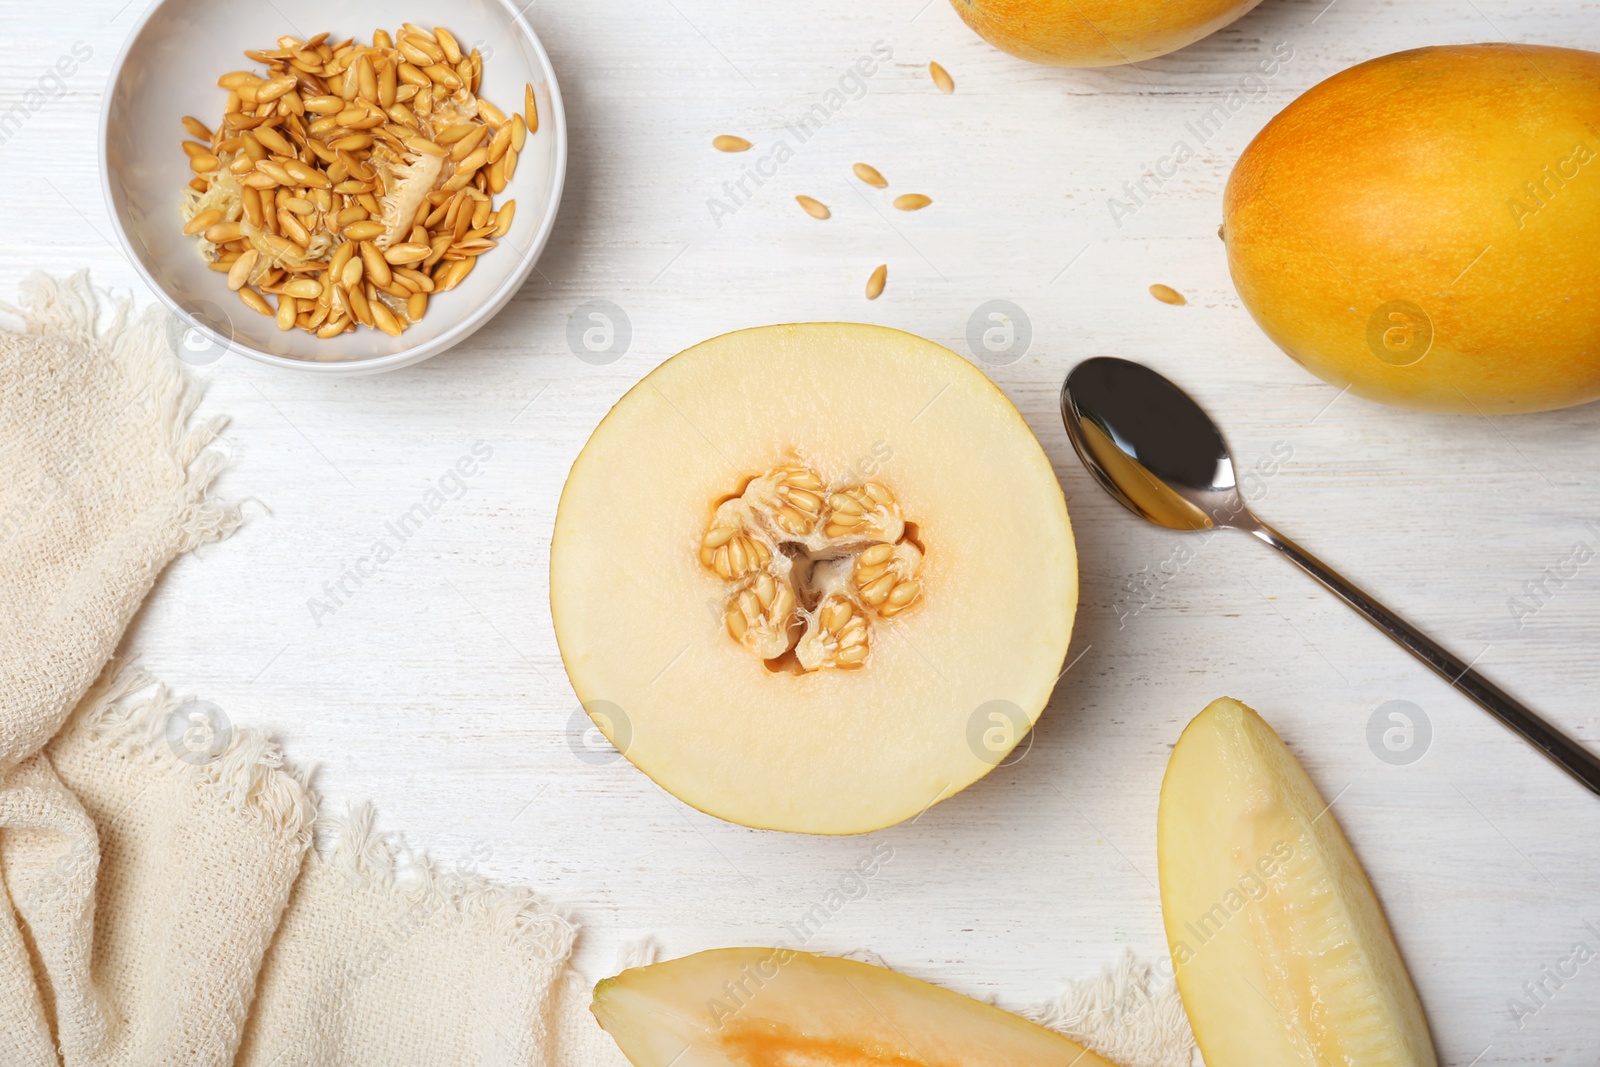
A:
(1282, 953)
(813, 577)
(774, 1007)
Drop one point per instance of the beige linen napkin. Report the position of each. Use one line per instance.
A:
(105, 482)
(161, 901)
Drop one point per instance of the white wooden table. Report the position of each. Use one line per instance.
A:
(436, 690)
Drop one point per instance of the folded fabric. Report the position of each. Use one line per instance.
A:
(162, 901)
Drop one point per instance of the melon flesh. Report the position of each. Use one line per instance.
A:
(1282, 953)
(766, 1007)
(800, 740)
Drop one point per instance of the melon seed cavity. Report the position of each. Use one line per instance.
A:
(811, 569)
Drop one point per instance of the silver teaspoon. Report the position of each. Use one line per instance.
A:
(1157, 452)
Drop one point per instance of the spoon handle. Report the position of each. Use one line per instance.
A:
(1562, 750)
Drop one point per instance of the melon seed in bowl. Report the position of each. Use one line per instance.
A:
(350, 181)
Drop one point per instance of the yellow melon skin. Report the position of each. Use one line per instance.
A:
(1096, 33)
(775, 1007)
(1421, 228)
(640, 622)
(1282, 953)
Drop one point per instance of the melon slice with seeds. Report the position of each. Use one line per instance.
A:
(1282, 953)
(813, 578)
(774, 1007)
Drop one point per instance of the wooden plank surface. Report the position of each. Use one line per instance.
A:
(436, 690)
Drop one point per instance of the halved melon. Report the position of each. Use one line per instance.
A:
(1282, 953)
(813, 577)
(775, 1007)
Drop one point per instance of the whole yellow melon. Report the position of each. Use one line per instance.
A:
(1096, 33)
(1423, 228)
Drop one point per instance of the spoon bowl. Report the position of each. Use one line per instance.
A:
(1150, 445)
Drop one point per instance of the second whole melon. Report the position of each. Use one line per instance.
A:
(1096, 33)
(813, 577)
(1421, 229)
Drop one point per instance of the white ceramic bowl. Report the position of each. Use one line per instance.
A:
(169, 68)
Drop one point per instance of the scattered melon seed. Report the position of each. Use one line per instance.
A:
(727, 142)
(912, 201)
(942, 79)
(875, 282)
(1167, 295)
(256, 302)
(364, 230)
(239, 273)
(813, 207)
(503, 217)
(871, 176)
(389, 324)
(204, 220)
